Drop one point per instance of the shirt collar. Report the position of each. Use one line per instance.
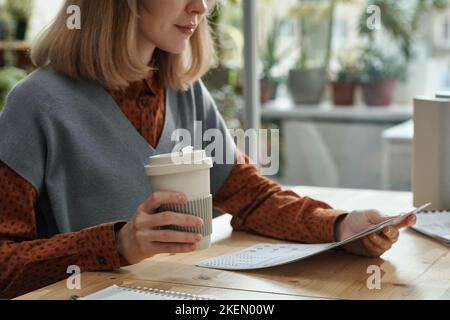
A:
(153, 82)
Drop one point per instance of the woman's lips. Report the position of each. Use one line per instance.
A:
(189, 31)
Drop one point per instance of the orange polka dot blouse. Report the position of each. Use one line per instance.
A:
(256, 203)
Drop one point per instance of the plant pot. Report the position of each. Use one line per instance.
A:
(307, 86)
(379, 92)
(268, 90)
(21, 29)
(343, 93)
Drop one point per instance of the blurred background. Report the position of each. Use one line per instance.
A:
(338, 78)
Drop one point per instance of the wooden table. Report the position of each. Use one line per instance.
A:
(416, 268)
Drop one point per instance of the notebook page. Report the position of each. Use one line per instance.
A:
(136, 294)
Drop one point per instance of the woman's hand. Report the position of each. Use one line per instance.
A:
(373, 245)
(141, 238)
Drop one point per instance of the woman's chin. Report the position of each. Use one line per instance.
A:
(178, 49)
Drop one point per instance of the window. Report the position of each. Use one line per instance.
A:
(43, 13)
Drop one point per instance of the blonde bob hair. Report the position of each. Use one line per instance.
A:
(105, 48)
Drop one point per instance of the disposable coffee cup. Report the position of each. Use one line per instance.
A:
(186, 172)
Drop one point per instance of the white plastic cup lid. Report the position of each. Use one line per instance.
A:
(177, 162)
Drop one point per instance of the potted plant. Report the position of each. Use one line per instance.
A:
(226, 38)
(402, 26)
(21, 11)
(379, 76)
(270, 59)
(6, 24)
(307, 79)
(344, 82)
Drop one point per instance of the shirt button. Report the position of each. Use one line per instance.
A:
(101, 260)
(145, 102)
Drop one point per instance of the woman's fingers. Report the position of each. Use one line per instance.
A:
(157, 248)
(175, 219)
(376, 217)
(408, 222)
(391, 233)
(141, 238)
(157, 199)
(373, 250)
(154, 221)
(380, 241)
(169, 236)
(376, 244)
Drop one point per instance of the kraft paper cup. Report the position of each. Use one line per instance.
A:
(186, 172)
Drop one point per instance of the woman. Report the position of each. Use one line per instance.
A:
(77, 132)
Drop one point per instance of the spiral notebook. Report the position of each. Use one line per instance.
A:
(435, 224)
(121, 292)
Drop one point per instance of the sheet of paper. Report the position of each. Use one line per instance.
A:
(266, 255)
(270, 255)
(434, 224)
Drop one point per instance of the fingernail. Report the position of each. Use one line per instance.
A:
(199, 237)
(182, 198)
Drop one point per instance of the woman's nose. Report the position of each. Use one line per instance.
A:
(198, 6)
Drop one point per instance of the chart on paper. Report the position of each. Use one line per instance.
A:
(267, 255)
